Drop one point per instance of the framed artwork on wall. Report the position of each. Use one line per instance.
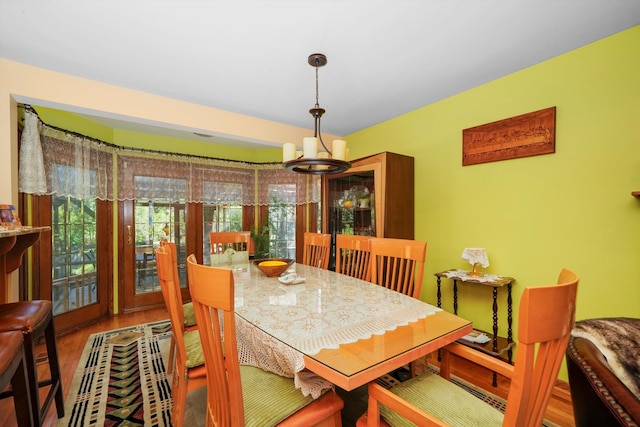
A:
(526, 135)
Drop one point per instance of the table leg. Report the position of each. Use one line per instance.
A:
(439, 295)
(455, 296)
(509, 320)
(495, 329)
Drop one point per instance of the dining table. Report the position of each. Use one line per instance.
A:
(326, 329)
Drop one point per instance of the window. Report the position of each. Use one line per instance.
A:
(282, 220)
(73, 253)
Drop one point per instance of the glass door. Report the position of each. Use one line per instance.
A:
(145, 223)
(351, 204)
(74, 258)
(155, 223)
(73, 269)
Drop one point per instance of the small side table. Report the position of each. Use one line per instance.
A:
(497, 346)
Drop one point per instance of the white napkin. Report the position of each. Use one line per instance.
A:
(291, 279)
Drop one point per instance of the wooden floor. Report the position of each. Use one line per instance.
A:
(70, 348)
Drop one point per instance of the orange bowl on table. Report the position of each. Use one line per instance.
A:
(273, 267)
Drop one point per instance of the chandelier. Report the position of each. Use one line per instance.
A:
(310, 161)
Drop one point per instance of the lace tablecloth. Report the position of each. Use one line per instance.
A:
(278, 323)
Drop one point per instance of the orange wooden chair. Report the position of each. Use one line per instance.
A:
(187, 308)
(547, 315)
(353, 256)
(316, 249)
(190, 372)
(222, 240)
(245, 395)
(398, 264)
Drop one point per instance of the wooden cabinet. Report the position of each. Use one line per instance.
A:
(375, 197)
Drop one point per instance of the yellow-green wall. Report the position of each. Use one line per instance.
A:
(538, 214)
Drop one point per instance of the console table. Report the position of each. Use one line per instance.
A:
(497, 345)
(13, 244)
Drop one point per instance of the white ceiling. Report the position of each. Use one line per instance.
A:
(385, 57)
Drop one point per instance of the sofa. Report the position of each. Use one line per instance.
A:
(603, 363)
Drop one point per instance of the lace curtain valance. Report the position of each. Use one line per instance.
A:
(84, 168)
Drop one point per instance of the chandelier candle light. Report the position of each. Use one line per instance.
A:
(476, 256)
(310, 161)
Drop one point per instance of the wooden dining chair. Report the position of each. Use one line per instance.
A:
(190, 372)
(353, 256)
(245, 395)
(398, 264)
(316, 249)
(222, 240)
(546, 317)
(187, 308)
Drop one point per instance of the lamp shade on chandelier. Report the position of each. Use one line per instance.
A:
(310, 160)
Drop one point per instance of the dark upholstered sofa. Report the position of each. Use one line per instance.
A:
(599, 397)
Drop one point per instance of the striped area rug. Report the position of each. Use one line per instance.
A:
(121, 379)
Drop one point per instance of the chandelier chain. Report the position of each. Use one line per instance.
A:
(317, 86)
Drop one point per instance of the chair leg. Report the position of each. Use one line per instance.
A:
(412, 369)
(54, 367)
(20, 387)
(32, 376)
(179, 395)
(172, 350)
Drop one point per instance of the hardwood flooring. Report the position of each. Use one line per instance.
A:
(70, 348)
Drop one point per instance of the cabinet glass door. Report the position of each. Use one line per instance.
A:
(351, 207)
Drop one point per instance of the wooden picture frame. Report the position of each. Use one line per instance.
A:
(530, 134)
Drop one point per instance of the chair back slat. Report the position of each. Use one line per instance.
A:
(398, 264)
(353, 256)
(316, 249)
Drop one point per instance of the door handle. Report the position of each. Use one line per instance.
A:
(129, 235)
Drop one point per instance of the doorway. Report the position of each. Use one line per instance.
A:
(146, 224)
(80, 261)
